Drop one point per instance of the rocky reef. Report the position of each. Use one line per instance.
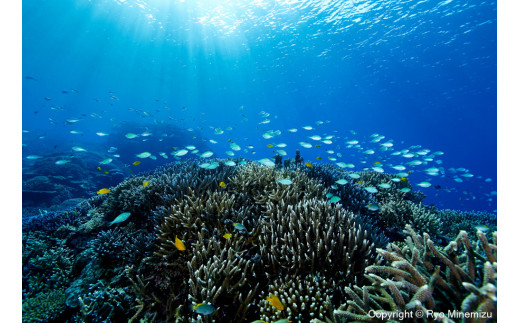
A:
(252, 242)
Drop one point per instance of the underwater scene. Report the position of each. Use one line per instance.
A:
(259, 161)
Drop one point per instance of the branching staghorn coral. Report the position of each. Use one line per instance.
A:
(44, 306)
(455, 221)
(303, 298)
(205, 212)
(394, 214)
(249, 239)
(459, 277)
(312, 234)
(220, 276)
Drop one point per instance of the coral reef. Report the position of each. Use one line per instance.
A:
(303, 298)
(468, 221)
(420, 276)
(249, 242)
(44, 307)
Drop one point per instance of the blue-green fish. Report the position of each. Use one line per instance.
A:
(206, 154)
(373, 207)
(78, 148)
(284, 181)
(106, 161)
(181, 152)
(266, 162)
(213, 165)
(334, 199)
(482, 227)
(121, 217)
(62, 162)
(204, 309)
(239, 226)
(234, 146)
(342, 181)
(371, 189)
(424, 184)
(144, 155)
(305, 144)
(204, 165)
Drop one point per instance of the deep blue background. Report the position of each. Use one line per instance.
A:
(420, 73)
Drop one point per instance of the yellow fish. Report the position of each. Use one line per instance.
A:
(330, 157)
(275, 301)
(318, 158)
(377, 163)
(99, 168)
(227, 235)
(222, 184)
(318, 146)
(270, 146)
(308, 164)
(179, 244)
(404, 179)
(106, 173)
(136, 163)
(360, 182)
(103, 191)
(145, 184)
(409, 172)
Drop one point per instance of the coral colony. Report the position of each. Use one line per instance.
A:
(257, 243)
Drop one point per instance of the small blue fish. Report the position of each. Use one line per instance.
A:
(121, 217)
(239, 226)
(373, 207)
(371, 189)
(334, 199)
(284, 181)
(204, 309)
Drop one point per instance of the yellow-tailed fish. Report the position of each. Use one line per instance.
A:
(275, 301)
(203, 308)
(179, 244)
(103, 191)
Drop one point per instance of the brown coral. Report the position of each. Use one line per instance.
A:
(460, 277)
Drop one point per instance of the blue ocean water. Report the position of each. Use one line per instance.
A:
(418, 76)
